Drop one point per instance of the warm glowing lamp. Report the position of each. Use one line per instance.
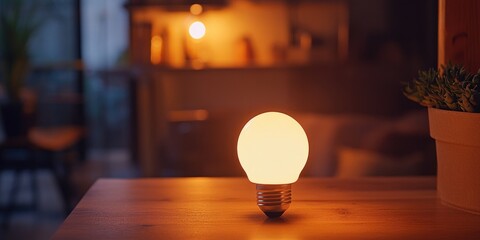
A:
(196, 9)
(197, 30)
(273, 149)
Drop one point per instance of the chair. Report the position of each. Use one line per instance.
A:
(28, 149)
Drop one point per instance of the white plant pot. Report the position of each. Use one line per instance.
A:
(457, 139)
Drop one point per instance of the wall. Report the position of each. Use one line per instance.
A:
(232, 96)
(232, 93)
(225, 89)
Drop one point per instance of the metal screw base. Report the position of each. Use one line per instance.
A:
(274, 200)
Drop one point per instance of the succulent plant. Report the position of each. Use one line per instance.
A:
(451, 87)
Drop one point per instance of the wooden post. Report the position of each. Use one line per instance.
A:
(459, 33)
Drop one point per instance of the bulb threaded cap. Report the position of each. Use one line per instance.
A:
(274, 199)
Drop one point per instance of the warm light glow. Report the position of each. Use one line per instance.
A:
(273, 149)
(196, 9)
(156, 50)
(188, 115)
(197, 30)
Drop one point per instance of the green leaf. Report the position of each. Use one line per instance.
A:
(451, 87)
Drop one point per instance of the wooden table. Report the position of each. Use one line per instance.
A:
(225, 208)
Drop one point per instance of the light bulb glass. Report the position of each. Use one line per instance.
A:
(272, 149)
(197, 30)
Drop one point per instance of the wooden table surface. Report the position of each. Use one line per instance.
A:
(225, 208)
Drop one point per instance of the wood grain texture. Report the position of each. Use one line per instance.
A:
(459, 33)
(225, 208)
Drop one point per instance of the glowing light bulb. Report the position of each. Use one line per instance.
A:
(273, 149)
(196, 9)
(197, 30)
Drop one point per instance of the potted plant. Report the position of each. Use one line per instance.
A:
(452, 96)
(19, 20)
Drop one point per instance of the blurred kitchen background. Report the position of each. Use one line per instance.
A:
(162, 88)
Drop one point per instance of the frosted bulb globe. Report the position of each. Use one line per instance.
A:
(273, 149)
